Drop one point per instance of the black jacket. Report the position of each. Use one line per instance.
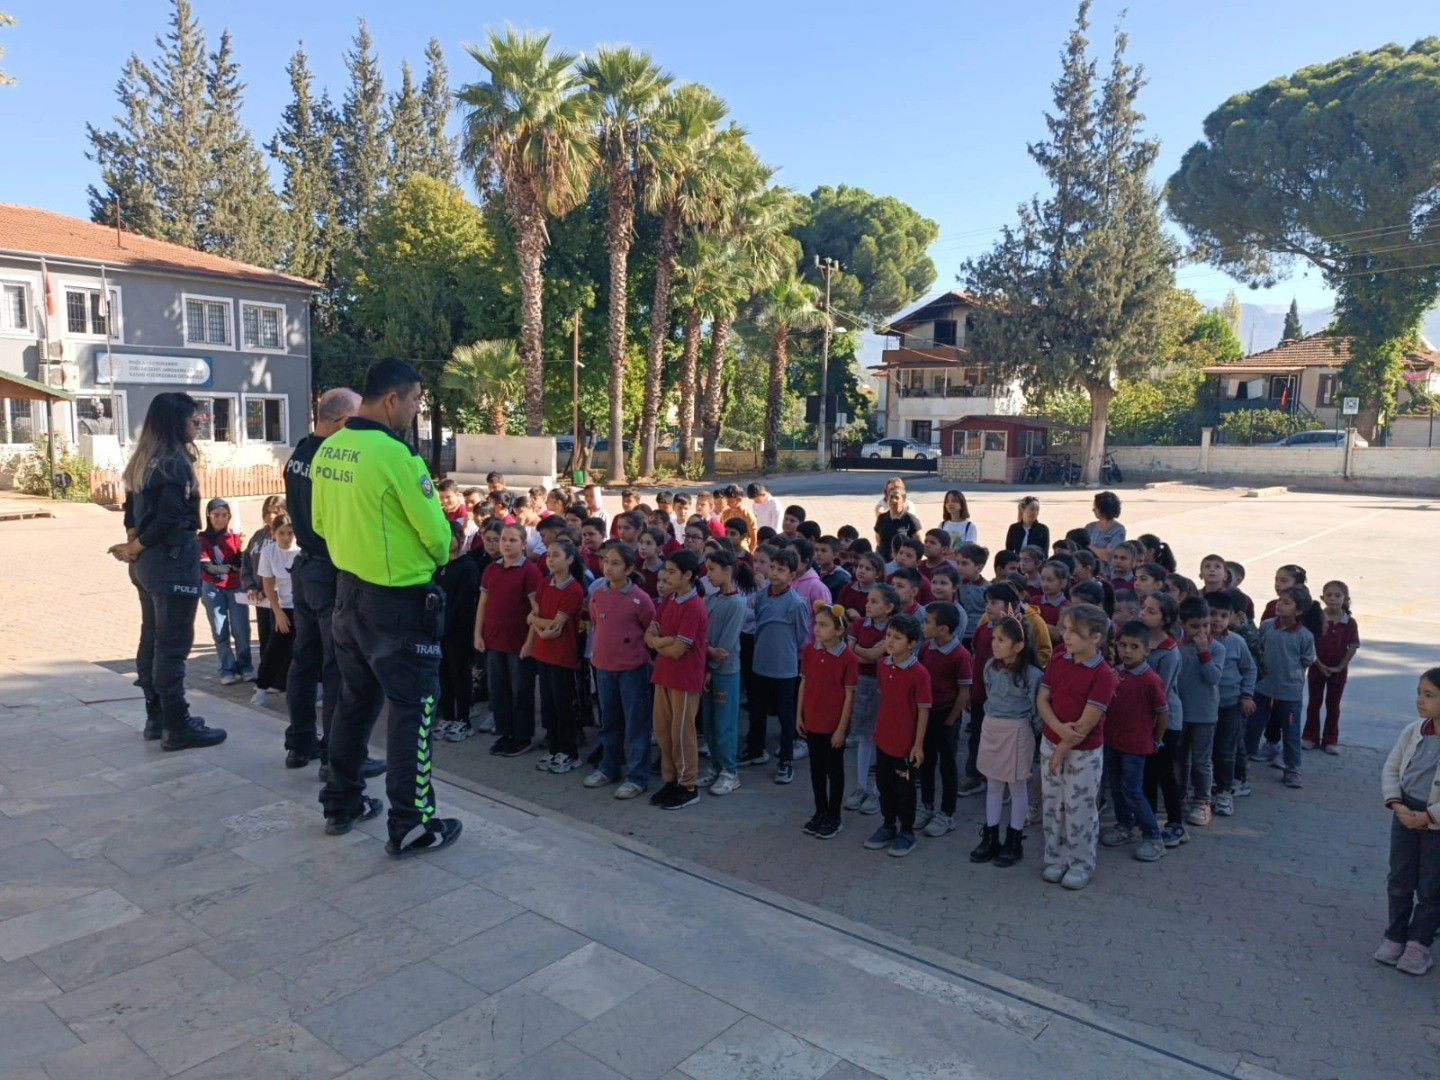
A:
(165, 512)
(1039, 537)
(299, 493)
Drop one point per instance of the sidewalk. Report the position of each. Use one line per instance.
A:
(184, 914)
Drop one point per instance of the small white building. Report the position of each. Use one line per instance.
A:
(928, 377)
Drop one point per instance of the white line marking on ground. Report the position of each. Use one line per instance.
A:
(1317, 536)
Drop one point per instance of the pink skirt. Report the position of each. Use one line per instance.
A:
(1007, 749)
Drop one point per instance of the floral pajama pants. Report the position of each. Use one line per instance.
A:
(1072, 820)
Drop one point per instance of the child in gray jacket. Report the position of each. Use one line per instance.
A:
(1199, 688)
(1289, 651)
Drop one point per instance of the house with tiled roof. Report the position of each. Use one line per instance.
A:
(113, 318)
(1304, 376)
(929, 377)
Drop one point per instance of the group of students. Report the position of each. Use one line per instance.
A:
(1090, 671)
(236, 575)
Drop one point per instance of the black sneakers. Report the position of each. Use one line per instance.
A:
(680, 798)
(194, 735)
(811, 827)
(663, 795)
(298, 759)
(339, 826)
(438, 833)
(827, 829)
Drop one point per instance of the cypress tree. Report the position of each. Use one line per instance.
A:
(242, 218)
(1293, 330)
(436, 100)
(180, 155)
(360, 143)
(405, 131)
(304, 147)
(123, 155)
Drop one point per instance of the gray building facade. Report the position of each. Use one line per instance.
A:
(117, 318)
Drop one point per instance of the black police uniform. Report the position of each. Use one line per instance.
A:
(165, 515)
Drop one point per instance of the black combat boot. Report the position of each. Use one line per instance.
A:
(989, 844)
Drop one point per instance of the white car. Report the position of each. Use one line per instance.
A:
(1310, 439)
(898, 448)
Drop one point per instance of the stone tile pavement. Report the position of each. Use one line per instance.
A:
(184, 915)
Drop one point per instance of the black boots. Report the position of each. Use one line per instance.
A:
(191, 734)
(1013, 849)
(989, 844)
(154, 720)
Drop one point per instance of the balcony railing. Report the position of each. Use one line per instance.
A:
(965, 390)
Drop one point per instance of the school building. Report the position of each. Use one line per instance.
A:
(113, 318)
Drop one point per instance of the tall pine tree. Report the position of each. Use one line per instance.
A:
(182, 166)
(1293, 330)
(242, 218)
(405, 130)
(360, 145)
(304, 148)
(1074, 293)
(127, 177)
(436, 100)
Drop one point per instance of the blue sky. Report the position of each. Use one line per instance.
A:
(932, 101)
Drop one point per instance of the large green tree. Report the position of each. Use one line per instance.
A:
(425, 270)
(1336, 165)
(1294, 330)
(626, 87)
(1074, 293)
(436, 101)
(528, 137)
(882, 243)
(790, 305)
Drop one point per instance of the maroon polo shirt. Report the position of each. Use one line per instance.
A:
(683, 617)
(507, 591)
(827, 675)
(904, 691)
(1130, 722)
(949, 670)
(1073, 686)
(562, 651)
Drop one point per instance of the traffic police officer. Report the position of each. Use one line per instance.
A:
(375, 507)
(313, 577)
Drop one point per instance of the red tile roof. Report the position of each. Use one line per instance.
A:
(26, 230)
(1318, 350)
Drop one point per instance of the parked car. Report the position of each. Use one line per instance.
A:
(697, 446)
(898, 448)
(1329, 439)
(565, 443)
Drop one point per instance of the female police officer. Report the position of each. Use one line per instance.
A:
(162, 518)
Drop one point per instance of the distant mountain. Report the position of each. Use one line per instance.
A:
(1262, 324)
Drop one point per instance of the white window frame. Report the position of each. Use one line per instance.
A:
(284, 400)
(116, 317)
(237, 418)
(41, 423)
(283, 347)
(32, 310)
(229, 302)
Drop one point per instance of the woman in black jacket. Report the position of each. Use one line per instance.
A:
(162, 518)
(1028, 530)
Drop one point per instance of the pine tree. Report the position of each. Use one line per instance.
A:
(1075, 293)
(360, 138)
(1234, 313)
(436, 100)
(405, 131)
(242, 219)
(123, 154)
(304, 148)
(181, 162)
(1293, 330)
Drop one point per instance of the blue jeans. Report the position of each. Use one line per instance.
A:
(1127, 789)
(625, 723)
(1287, 714)
(229, 620)
(720, 720)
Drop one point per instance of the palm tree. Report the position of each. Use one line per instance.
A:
(706, 282)
(530, 133)
(489, 374)
(758, 250)
(685, 184)
(626, 87)
(789, 305)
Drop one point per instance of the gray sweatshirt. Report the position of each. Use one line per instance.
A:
(1288, 656)
(726, 614)
(1166, 663)
(1237, 676)
(1199, 682)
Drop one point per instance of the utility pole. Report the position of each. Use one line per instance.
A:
(826, 266)
(575, 394)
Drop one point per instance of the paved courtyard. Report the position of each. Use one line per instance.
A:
(279, 957)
